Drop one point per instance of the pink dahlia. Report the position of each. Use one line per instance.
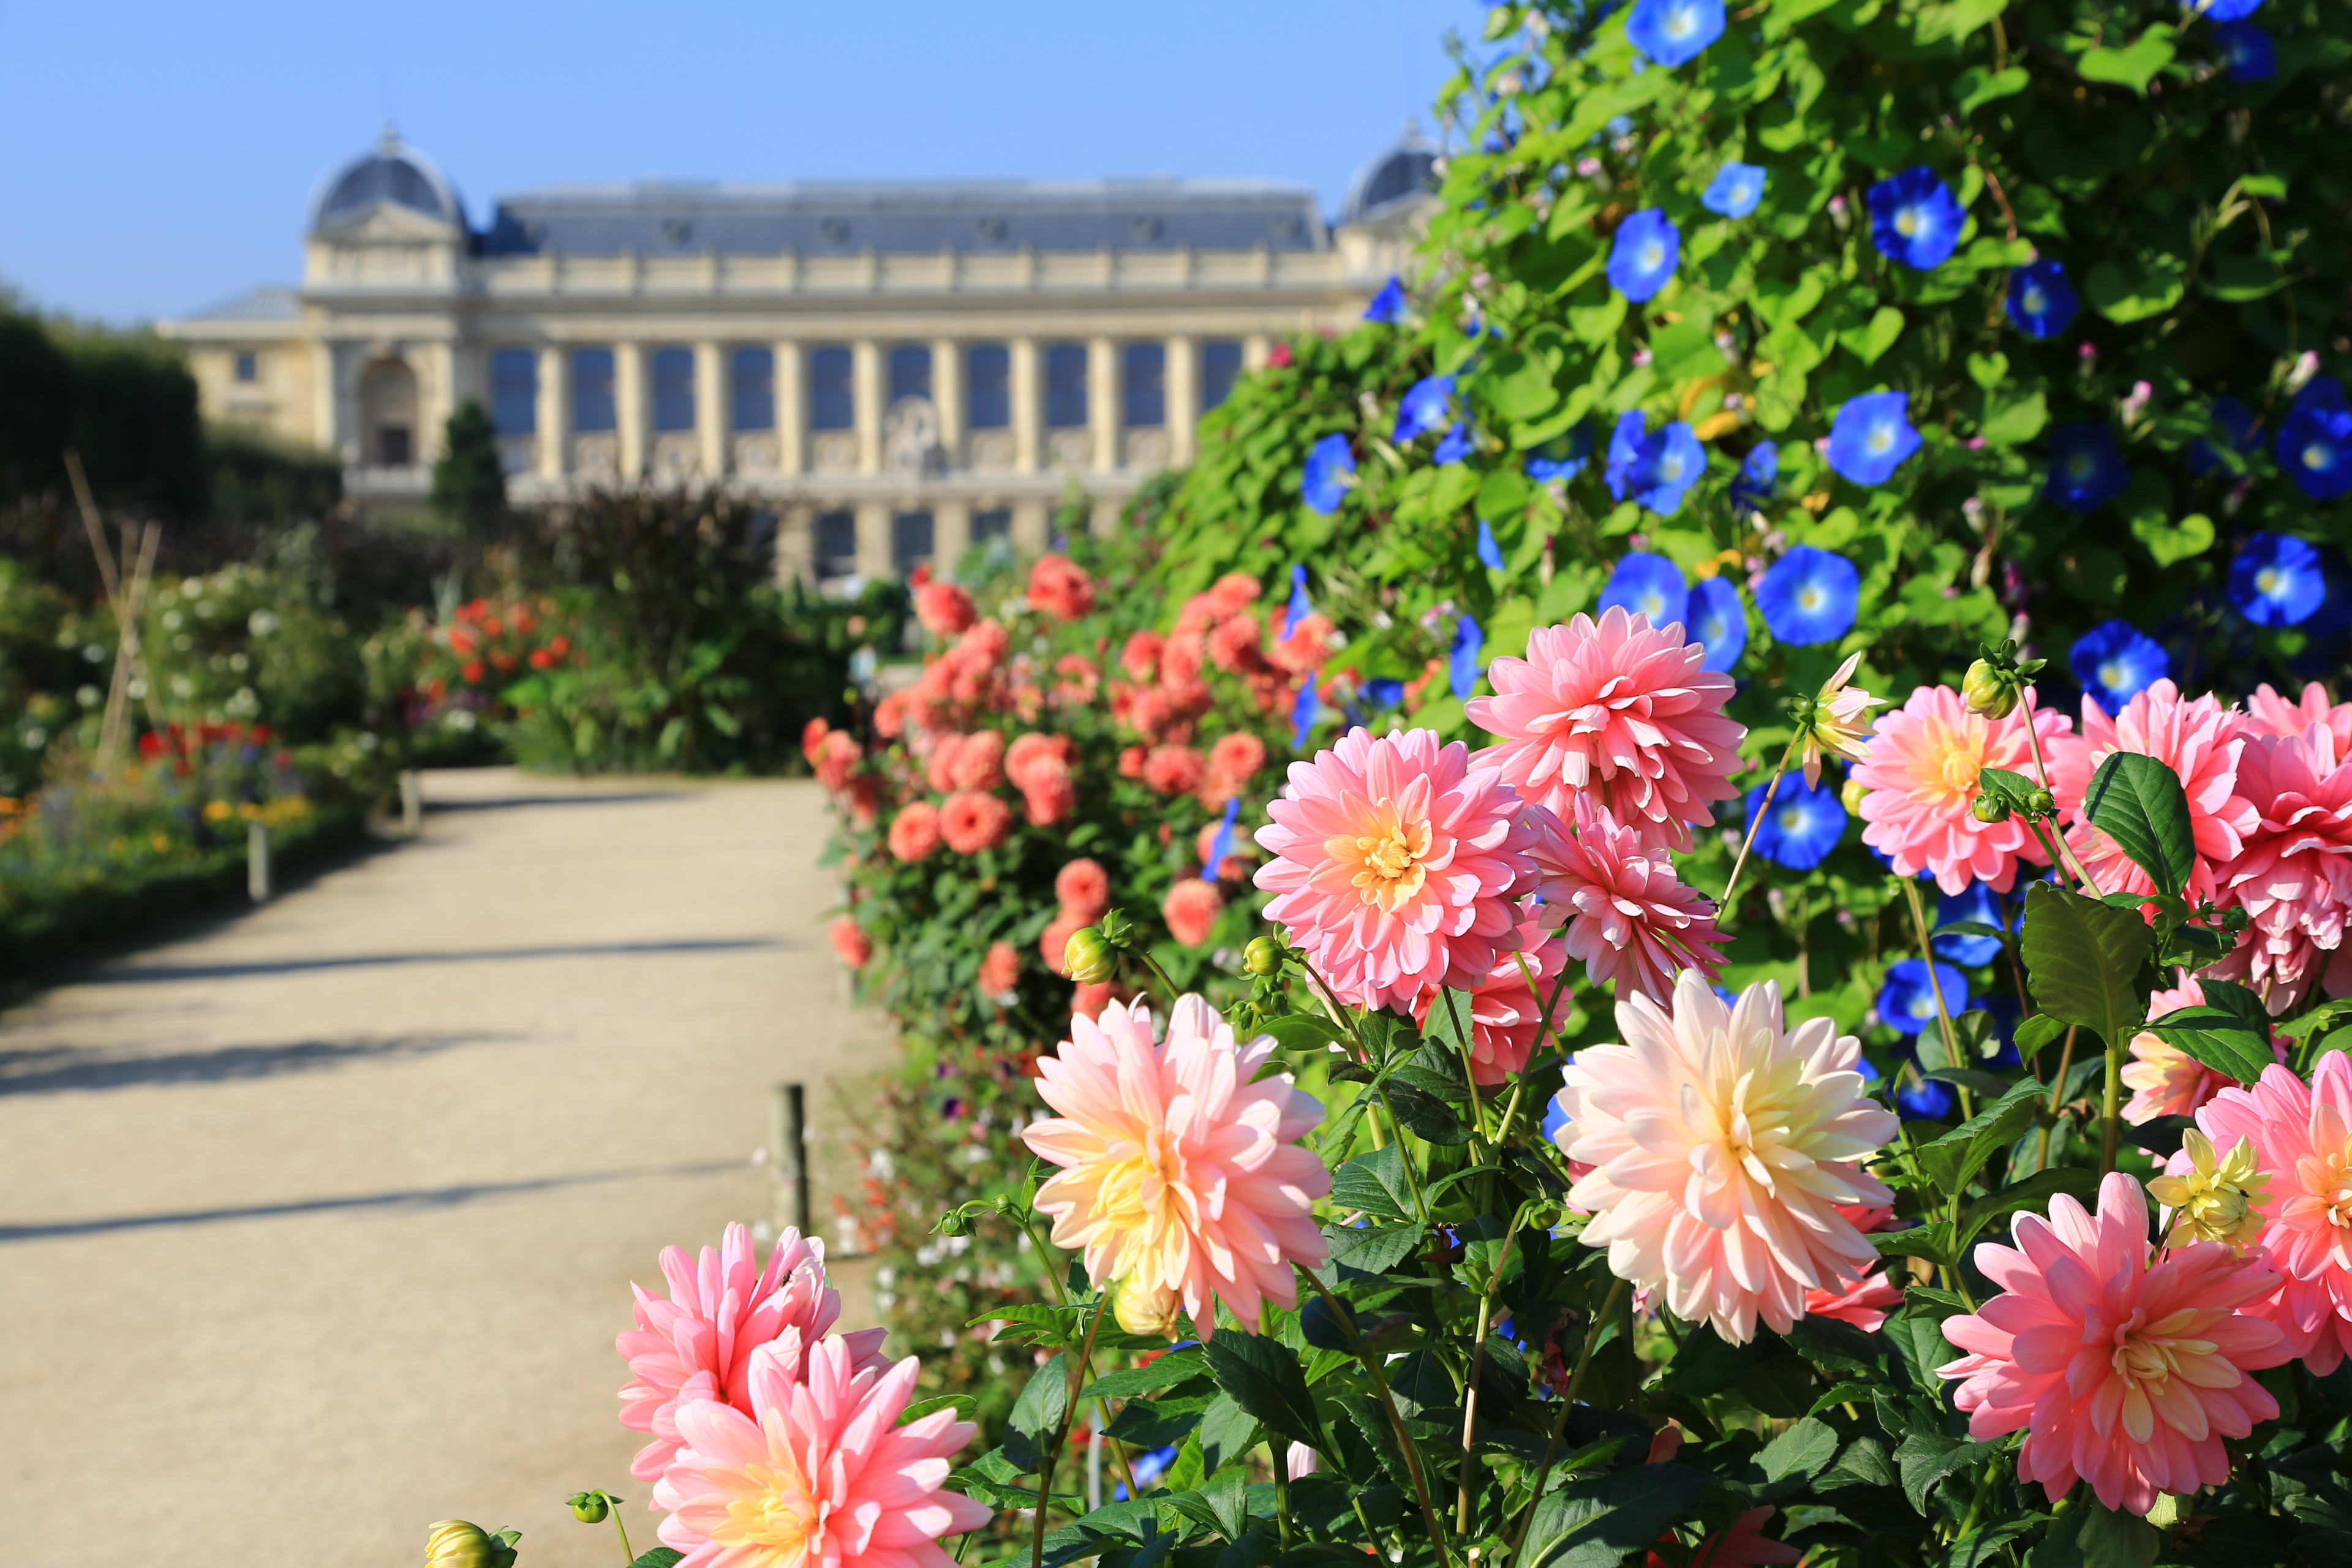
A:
(945, 609)
(2302, 1143)
(915, 831)
(1139, 656)
(1396, 867)
(1174, 770)
(1060, 587)
(1631, 919)
(1722, 1143)
(2269, 713)
(2122, 1374)
(1864, 1303)
(2165, 1080)
(1621, 710)
(1922, 780)
(1505, 1011)
(971, 821)
(1000, 969)
(979, 761)
(1190, 910)
(815, 1472)
(1182, 1181)
(2294, 875)
(697, 1344)
(1083, 889)
(851, 944)
(2198, 740)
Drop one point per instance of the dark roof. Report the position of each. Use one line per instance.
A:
(392, 171)
(263, 303)
(653, 219)
(1405, 170)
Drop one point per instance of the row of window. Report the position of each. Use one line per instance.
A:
(913, 538)
(752, 386)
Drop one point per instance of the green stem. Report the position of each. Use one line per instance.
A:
(1469, 1072)
(1161, 974)
(1478, 1365)
(1732, 886)
(1404, 1155)
(2057, 1087)
(1061, 1432)
(626, 1555)
(1567, 1402)
(1372, 1365)
(1935, 987)
(1281, 1492)
(2111, 1109)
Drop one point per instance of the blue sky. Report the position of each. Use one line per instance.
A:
(156, 157)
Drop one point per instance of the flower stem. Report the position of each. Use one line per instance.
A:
(2111, 1106)
(1061, 1431)
(1567, 1403)
(1281, 1492)
(2057, 1087)
(1372, 1364)
(1469, 1069)
(1477, 1363)
(1936, 988)
(1748, 843)
(627, 1556)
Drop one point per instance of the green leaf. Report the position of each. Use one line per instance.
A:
(1375, 1184)
(1036, 1419)
(1867, 342)
(2139, 802)
(2033, 1034)
(2168, 543)
(1430, 1116)
(659, 1557)
(1262, 1376)
(1227, 1432)
(1227, 1494)
(2217, 1038)
(1805, 1450)
(2150, 288)
(2134, 65)
(2111, 1540)
(1595, 1522)
(1977, 87)
(1302, 1031)
(1954, 1159)
(1927, 1458)
(2084, 961)
(963, 1404)
(1165, 1373)
(1979, 1547)
(1375, 1249)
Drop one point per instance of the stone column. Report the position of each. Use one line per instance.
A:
(1184, 397)
(866, 393)
(947, 396)
(1028, 405)
(1255, 348)
(792, 412)
(1105, 402)
(436, 364)
(629, 411)
(950, 533)
(874, 541)
(713, 413)
(1032, 522)
(796, 546)
(554, 419)
(324, 431)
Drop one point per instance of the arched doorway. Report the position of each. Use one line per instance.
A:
(388, 414)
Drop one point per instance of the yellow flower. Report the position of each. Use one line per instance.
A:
(217, 811)
(160, 841)
(1836, 721)
(2215, 1199)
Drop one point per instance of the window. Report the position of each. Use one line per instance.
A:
(248, 366)
(1145, 378)
(673, 374)
(910, 371)
(752, 373)
(988, 386)
(837, 544)
(1221, 367)
(830, 406)
(391, 449)
(995, 523)
(591, 391)
(514, 391)
(910, 541)
(1065, 386)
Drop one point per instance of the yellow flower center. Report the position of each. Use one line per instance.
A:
(1388, 859)
(1954, 757)
(2319, 454)
(1652, 255)
(2328, 1178)
(2035, 303)
(2214, 1199)
(1881, 439)
(1907, 222)
(780, 1516)
(1810, 597)
(2148, 1356)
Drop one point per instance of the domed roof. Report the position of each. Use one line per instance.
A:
(391, 171)
(1403, 170)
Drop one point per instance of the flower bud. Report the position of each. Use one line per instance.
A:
(1990, 691)
(1850, 796)
(1989, 808)
(454, 1543)
(1117, 929)
(2041, 803)
(1088, 958)
(1262, 956)
(1143, 1310)
(590, 1507)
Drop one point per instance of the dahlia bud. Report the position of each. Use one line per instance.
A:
(2041, 803)
(1989, 808)
(1146, 1310)
(2217, 1198)
(591, 1508)
(1989, 690)
(454, 1543)
(1262, 956)
(1087, 957)
(1850, 796)
(1116, 928)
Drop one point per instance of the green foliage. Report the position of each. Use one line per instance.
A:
(469, 479)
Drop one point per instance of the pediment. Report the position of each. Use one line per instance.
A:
(386, 222)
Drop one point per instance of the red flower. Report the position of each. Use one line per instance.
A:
(541, 659)
(1028, 752)
(945, 609)
(979, 761)
(1191, 909)
(1140, 657)
(915, 831)
(1278, 357)
(1174, 770)
(813, 736)
(851, 942)
(472, 670)
(971, 821)
(1000, 972)
(1083, 886)
(1059, 587)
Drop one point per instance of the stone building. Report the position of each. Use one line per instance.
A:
(897, 369)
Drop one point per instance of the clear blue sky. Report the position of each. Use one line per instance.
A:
(156, 157)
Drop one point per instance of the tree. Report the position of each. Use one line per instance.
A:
(470, 482)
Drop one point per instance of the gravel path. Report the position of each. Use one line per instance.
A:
(317, 1223)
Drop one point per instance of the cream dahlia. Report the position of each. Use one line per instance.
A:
(2124, 1374)
(697, 1344)
(1633, 924)
(1620, 710)
(1396, 867)
(814, 1471)
(2197, 739)
(1182, 1182)
(1722, 1144)
(1922, 780)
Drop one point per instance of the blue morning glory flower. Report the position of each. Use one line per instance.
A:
(1915, 219)
(1490, 554)
(1800, 827)
(1462, 667)
(2115, 662)
(1624, 448)
(1977, 903)
(2086, 470)
(1148, 1467)
(1752, 490)
(1555, 1121)
(2277, 580)
(2236, 421)
(1562, 457)
(1809, 595)
(1428, 406)
(1302, 713)
(2227, 10)
(1929, 1100)
(1388, 306)
(1647, 585)
(1719, 622)
(1735, 190)
(2315, 441)
(1665, 466)
(1673, 32)
(1300, 605)
(1455, 446)
(1330, 469)
(2042, 300)
(1907, 1002)
(2248, 51)
(1383, 692)
(1642, 257)
(1872, 435)
(1221, 845)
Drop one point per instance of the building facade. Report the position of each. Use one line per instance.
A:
(898, 369)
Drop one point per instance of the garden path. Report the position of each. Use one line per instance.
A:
(317, 1224)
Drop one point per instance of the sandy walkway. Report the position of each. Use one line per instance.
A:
(318, 1225)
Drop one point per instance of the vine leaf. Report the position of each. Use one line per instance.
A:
(1262, 1376)
(2139, 802)
(2218, 1038)
(2085, 960)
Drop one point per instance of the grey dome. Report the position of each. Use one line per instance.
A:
(1403, 170)
(391, 171)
